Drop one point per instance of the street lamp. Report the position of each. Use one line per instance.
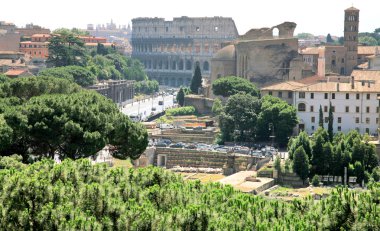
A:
(271, 128)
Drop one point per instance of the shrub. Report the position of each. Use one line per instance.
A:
(315, 181)
(188, 110)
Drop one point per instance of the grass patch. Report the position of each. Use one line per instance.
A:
(122, 163)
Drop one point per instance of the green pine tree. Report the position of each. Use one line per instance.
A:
(330, 124)
(181, 97)
(196, 82)
(320, 117)
(301, 163)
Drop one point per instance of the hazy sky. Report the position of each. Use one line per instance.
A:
(316, 17)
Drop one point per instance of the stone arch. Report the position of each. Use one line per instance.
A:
(188, 65)
(174, 65)
(275, 32)
(154, 64)
(206, 66)
(180, 65)
(180, 82)
(160, 64)
(173, 81)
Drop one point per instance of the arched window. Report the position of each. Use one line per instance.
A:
(342, 72)
(174, 66)
(188, 65)
(205, 66)
(301, 107)
(197, 64)
(275, 32)
(180, 65)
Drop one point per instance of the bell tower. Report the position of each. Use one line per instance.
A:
(351, 28)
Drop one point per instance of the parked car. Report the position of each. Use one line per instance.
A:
(161, 144)
(177, 145)
(191, 146)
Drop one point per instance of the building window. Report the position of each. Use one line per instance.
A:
(377, 120)
(367, 130)
(339, 128)
(357, 129)
(339, 120)
(333, 96)
(357, 96)
(312, 95)
(367, 109)
(313, 119)
(326, 95)
(197, 29)
(302, 95)
(312, 128)
(311, 108)
(167, 29)
(280, 94)
(290, 94)
(357, 110)
(367, 120)
(347, 109)
(206, 66)
(325, 108)
(347, 96)
(368, 96)
(270, 93)
(326, 119)
(301, 107)
(357, 120)
(333, 108)
(342, 60)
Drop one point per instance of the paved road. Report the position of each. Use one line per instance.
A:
(144, 107)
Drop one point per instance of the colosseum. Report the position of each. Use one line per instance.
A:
(170, 50)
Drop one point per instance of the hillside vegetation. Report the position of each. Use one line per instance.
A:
(76, 195)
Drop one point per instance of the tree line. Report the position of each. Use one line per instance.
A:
(46, 116)
(76, 195)
(67, 53)
(325, 155)
(245, 117)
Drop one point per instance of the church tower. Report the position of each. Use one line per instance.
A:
(351, 28)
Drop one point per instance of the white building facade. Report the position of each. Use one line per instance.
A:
(354, 102)
(353, 108)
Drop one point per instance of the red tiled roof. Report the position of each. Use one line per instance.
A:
(14, 72)
(312, 79)
(41, 36)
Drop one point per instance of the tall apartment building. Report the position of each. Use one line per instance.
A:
(170, 50)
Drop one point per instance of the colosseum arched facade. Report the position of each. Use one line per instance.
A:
(170, 50)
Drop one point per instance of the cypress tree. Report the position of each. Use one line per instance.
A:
(301, 163)
(181, 97)
(330, 124)
(320, 116)
(196, 82)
